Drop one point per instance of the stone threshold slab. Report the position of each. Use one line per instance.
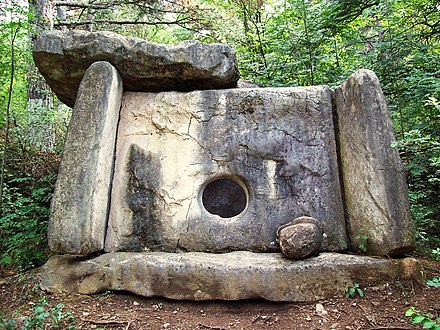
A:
(228, 276)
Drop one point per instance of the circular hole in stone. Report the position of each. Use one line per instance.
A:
(224, 197)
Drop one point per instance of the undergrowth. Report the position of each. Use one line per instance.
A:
(23, 223)
(426, 320)
(42, 317)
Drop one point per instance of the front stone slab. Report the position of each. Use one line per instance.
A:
(221, 170)
(229, 276)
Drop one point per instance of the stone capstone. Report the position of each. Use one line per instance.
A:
(300, 238)
(376, 195)
(80, 204)
(221, 170)
(63, 56)
(227, 276)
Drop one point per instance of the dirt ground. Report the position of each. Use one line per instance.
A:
(382, 307)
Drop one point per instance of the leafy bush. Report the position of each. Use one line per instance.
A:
(423, 319)
(23, 224)
(351, 291)
(42, 318)
(362, 240)
(421, 155)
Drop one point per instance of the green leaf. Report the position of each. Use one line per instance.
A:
(418, 319)
(38, 309)
(410, 312)
(428, 324)
(434, 282)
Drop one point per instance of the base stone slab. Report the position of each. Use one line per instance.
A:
(229, 276)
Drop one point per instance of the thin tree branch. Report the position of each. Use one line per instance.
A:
(116, 22)
(83, 5)
(8, 115)
(347, 12)
(112, 4)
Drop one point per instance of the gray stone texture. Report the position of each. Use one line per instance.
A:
(374, 183)
(228, 276)
(63, 56)
(278, 144)
(81, 200)
(300, 238)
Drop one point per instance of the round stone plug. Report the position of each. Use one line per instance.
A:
(300, 238)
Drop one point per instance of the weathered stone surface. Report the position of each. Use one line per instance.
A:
(375, 189)
(300, 238)
(80, 204)
(178, 154)
(63, 57)
(228, 276)
(246, 84)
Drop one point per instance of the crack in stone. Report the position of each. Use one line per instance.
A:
(290, 134)
(186, 221)
(312, 172)
(378, 205)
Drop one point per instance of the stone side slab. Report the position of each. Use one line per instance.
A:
(376, 195)
(80, 203)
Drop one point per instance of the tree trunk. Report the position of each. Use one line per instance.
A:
(42, 13)
(40, 96)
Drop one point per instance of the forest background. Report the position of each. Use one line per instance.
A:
(278, 43)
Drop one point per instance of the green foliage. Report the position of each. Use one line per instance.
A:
(28, 152)
(43, 318)
(105, 295)
(352, 291)
(435, 253)
(22, 57)
(34, 125)
(426, 320)
(23, 224)
(7, 323)
(421, 155)
(362, 239)
(434, 282)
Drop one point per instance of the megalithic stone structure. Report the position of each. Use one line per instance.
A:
(375, 189)
(191, 191)
(82, 193)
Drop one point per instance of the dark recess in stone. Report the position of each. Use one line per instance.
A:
(224, 197)
(144, 201)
